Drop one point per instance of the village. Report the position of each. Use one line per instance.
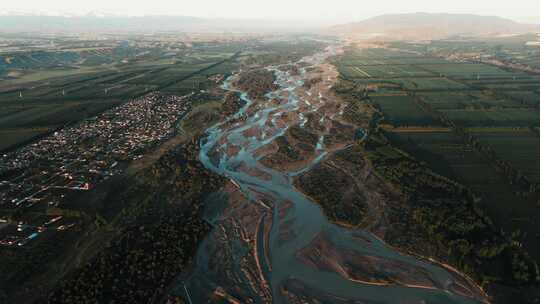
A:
(37, 180)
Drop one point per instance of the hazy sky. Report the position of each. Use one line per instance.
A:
(327, 10)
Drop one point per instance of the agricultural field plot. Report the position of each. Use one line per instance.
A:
(4, 112)
(403, 111)
(505, 48)
(44, 59)
(27, 76)
(54, 87)
(381, 56)
(365, 60)
(466, 100)
(532, 86)
(56, 101)
(468, 70)
(165, 76)
(384, 69)
(418, 85)
(33, 65)
(418, 60)
(494, 117)
(527, 98)
(391, 71)
(516, 78)
(448, 100)
(224, 68)
(432, 84)
(361, 61)
(13, 137)
(192, 84)
(206, 57)
(447, 155)
(382, 53)
(56, 114)
(352, 72)
(521, 149)
(89, 91)
(508, 84)
(380, 86)
(395, 64)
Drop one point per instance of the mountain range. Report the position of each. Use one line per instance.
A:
(98, 23)
(417, 26)
(424, 26)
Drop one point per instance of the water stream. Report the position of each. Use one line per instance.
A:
(305, 218)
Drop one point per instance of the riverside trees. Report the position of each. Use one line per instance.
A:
(160, 232)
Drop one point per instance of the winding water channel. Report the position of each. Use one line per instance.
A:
(304, 219)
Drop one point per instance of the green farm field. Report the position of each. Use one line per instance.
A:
(468, 70)
(45, 99)
(494, 117)
(448, 155)
(467, 100)
(519, 148)
(499, 107)
(402, 111)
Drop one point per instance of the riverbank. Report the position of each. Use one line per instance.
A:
(252, 253)
(421, 213)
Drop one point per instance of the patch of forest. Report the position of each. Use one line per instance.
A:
(256, 83)
(440, 218)
(162, 228)
(231, 104)
(297, 144)
(335, 192)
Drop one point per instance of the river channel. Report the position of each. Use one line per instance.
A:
(304, 219)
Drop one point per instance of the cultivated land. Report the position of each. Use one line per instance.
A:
(44, 88)
(466, 120)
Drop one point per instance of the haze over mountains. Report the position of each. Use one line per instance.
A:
(98, 23)
(418, 26)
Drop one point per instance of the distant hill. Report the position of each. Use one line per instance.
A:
(42, 23)
(425, 26)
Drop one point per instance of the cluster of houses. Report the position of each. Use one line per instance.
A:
(38, 177)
